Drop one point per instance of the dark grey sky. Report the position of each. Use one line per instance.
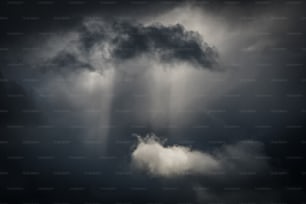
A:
(216, 91)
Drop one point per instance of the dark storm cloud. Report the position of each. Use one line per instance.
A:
(121, 40)
(91, 35)
(169, 42)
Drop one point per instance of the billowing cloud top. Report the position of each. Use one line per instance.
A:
(99, 43)
(151, 155)
(168, 161)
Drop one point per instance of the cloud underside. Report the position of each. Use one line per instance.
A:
(168, 42)
(99, 43)
(152, 156)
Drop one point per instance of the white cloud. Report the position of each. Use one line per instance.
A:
(158, 159)
(153, 156)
